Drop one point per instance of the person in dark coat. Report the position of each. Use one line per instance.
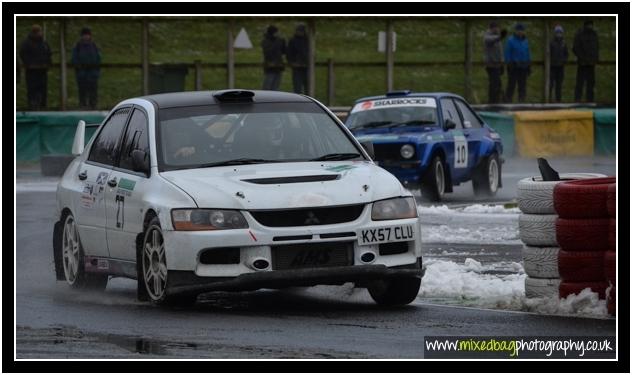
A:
(86, 58)
(297, 57)
(518, 60)
(36, 57)
(586, 48)
(559, 57)
(493, 56)
(273, 50)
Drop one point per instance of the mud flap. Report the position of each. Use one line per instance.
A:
(141, 291)
(57, 251)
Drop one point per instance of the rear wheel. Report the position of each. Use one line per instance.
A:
(154, 269)
(394, 292)
(73, 260)
(487, 178)
(433, 181)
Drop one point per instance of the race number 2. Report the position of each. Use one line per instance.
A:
(460, 151)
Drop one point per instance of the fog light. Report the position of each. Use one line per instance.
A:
(261, 264)
(367, 257)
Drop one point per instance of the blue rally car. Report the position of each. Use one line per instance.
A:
(430, 141)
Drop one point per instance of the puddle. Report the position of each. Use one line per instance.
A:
(145, 346)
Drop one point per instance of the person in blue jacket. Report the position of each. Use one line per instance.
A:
(518, 62)
(86, 58)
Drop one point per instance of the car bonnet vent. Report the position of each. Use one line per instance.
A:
(234, 96)
(293, 179)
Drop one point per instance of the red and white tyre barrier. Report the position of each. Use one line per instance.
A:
(584, 266)
(568, 288)
(582, 234)
(537, 230)
(611, 202)
(582, 199)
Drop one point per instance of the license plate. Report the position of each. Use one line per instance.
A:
(396, 233)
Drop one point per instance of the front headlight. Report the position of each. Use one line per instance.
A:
(407, 151)
(395, 208)
(206, 219)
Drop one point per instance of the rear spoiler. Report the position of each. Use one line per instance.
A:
(80, 137)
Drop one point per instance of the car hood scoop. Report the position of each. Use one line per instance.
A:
(293, 179)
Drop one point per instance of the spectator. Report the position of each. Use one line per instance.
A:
(273, 50)
(559, 56)
(586, 48)
(36, 56)
(518, 62)
(492, 54)
(297, 56)
(86, 58)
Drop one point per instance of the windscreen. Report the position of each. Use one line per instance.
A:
(393, 112)
(204, 136)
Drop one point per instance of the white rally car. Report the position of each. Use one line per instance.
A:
(232, 190)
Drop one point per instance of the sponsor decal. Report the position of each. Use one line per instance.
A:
(394, 102)
(126, 184)
(340, 168)
(101, 178)
(88, 195)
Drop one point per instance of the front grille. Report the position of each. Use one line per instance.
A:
(392, 248)
(312, 255)
(308, 216)
(390, 151)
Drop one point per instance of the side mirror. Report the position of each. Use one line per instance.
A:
(368, 147)
(449, 124)
(140, 161)
(79, 141)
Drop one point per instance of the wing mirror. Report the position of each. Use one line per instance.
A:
(80, 135)
(368, 147)
(140, 161)
(449, 124)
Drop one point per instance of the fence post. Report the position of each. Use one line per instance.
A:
(311, 64)
(230, 56)
(389, 55)
(468, 59)
(331, 93)
(198, 75)
(145, 55)
(62, 65)
(547, 64)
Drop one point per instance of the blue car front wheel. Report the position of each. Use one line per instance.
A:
(486, 179)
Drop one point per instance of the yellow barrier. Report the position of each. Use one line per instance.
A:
(554, 133)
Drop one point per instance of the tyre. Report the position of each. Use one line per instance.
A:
(540, 262)
(582, 234)
(394, 292)
(581, 265)
(537, 230)
(610, 266)
(72, 259)
(541, 288)
(612, 235)
(582, 199)
(433, 181)
(611, 200)
(568, 288)
(154, 269)
(487, 178)
(536, 196)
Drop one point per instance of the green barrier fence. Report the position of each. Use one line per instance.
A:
(503, 123)
(605, 131)
(46, 133)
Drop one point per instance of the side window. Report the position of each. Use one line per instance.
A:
(105, 147)
(469, 118)
(449, 112)
(136, 138)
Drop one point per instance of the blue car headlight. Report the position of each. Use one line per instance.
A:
(407, 151)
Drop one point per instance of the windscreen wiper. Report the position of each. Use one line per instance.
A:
(340, 156)
(413, 122)
(240, 161)
(374, 124)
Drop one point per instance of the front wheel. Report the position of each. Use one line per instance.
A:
(394, 292)
(486, 180)
(154, 269)
(433, 181)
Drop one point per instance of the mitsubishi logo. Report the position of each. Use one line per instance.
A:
(311, 219)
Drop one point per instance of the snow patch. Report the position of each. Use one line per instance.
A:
(498, 234)
(27, 187)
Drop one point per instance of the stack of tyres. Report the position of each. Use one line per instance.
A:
(582, 232)
(537, 232)
(610, 259)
